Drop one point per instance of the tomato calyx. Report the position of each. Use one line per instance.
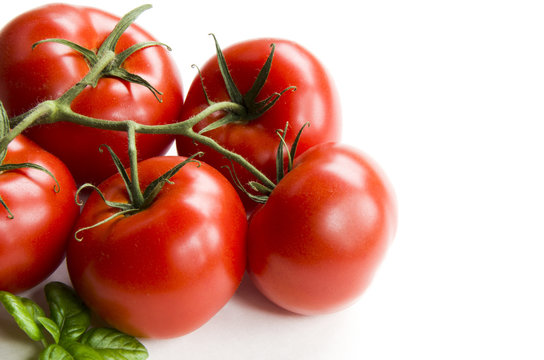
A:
(264, 191)
(114, 68)
(252, 109)
(137, 200)
(4, 130)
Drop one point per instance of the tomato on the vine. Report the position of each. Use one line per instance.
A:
(39, 216)
(165, 270)
(315, 101)
(29, 76)
(314, 246)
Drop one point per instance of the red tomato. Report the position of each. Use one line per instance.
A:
(32, 243)
(166, 270)
(29, 76)
(315, 100)
(315, 245)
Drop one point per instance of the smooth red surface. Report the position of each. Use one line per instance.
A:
(166, 270)
(315, 245)
(28, 77)
(32, 243)
(315, 100)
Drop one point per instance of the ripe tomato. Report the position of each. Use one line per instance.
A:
(166, 270)
(29, 76)
(315, 100)
(315, 245)
(32, 243)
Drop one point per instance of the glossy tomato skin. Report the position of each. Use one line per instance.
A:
(315, 100)
(166, 270)
(315, 245)
(32, 244)
(29, 76)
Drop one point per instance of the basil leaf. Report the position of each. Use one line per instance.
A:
(51, 327)
(114, 345)
(33, 309)
(55, 352)
(82, 352)
(23, 317)
(67, 311)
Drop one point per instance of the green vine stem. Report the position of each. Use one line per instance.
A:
(108, 63)
(184, 128)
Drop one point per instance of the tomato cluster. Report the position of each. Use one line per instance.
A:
(310, 245)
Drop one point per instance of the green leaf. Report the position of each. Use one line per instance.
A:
(33, 309)
(23, 317)
(114, 345)
(51, 327)
(67, 311)
(55, 352)
(82, 352)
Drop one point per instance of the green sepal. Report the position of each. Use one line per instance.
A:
(202, 85)
(108, 219)
(115, 68)
(153, 189)
(11, 167)
(253, 109)
(113, 38)
(230, 117)
(114, 204)
(280, 166)
(121, 169)
(234, 94)
(293, 151)
(261, 199)
(260, 188)
(89, 55)
(257, 86)
(4, 130)
(5, 206)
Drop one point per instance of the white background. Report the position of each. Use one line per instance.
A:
(448, 97)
